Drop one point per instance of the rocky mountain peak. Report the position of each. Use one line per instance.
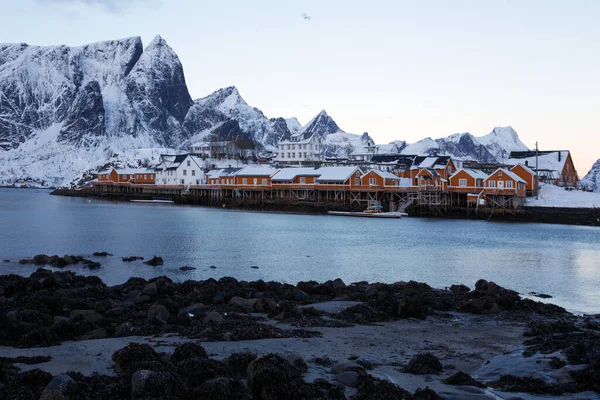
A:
(322, 124)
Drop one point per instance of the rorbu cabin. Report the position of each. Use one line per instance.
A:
(444, 166)
(222, 176)
(503, 181)
(528, 175)
(379, 178)
(254, 176)
(553, 166)
(429, 179)
(467, 180)
(339, 176)
(294, 177)
(127, 175)
(146, 176)
(108, 175)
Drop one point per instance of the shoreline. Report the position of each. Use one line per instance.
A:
(525, 214)
(346, 339)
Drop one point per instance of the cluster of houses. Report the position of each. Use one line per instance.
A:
(401, 173)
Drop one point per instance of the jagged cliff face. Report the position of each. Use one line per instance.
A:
(592, 180)
(67, 109)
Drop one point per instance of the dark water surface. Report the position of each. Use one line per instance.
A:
(560, 260)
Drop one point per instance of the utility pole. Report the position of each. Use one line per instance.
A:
(537, 178)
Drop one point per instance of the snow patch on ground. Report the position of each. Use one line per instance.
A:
(555, 196)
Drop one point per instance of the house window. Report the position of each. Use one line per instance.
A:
(462, 182)
(509, 184)
(372, 181)
(184, 172)
(492, 184)
(197, 181)
(293, 147)
(182, 182)
(193, 172)
(304, 154)
(302, 180)
(311, 146)
(293, 155)
(264, 182)
(244, 181)
(289, 156)
(188, 163)
(499, 173)
(282, 155)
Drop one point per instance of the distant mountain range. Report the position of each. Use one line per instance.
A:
(592, 180)
(68, 111)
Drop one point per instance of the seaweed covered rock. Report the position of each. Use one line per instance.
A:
(273, 377)
(135, 357)
(238, 363)
(197, 370)
(147, 385)
(221, 389)
(187, 350)
(422, 364)
(461, 378)
(372, 388)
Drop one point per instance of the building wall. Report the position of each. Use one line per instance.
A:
(522, 173)
(454, 180)
(250, 180)
(569, 174)
(146, 177)
(111, 176)
(379, 181)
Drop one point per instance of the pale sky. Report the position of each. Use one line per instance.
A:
(397, 69)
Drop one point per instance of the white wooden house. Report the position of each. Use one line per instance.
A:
(180, 169)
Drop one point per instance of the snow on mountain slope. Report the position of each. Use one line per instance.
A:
(85, 104)
(493, 147)
(592, 180)
(293, 125)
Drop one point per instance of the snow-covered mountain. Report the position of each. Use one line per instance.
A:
(493, 147)
(67, 111)
(592, 180)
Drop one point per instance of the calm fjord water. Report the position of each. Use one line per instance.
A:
(563, 261)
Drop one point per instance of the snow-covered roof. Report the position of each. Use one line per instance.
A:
(221, 172)
(300, 139)
(210, 144)
(257, 171)
(131, 171)
(428, 162)
(553, 160)
(383, 174)
(475, 173)
(510, 174)
(335, 174)
(288, 174)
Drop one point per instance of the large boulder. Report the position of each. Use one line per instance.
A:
(187, 350)
(197, 370)
(238, 363)
(272, 377)
(424, 363)
(136, 356)
(222, 389)
(148, 385)
(158, 313)
(57, 388)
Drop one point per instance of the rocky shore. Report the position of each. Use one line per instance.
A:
(64, 336)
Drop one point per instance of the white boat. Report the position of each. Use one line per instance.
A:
(368, 214)
(152, 201)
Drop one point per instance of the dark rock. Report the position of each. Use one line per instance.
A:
(371, 388)
(196, 309)
(136, 356)
(183, 318)
(272, 377)
(150, 289)
(346, 366)
(158, 313)
(148, 385)
(92, 264)
(426, 394)
(540, 295)
(27, 261)
(254, 267)
(299, 295)
(212, 267)
(459, 289)
(213, 317)
(323, 361)
(154, 261)
(27, 385)
(99, 333)
(89, 315)
(187, 350)
(348, 378)
(219, 298)
(222, 389)
(461, 378)
(422, 364)
(238, 363)
(297, 361)
(132, 258)
(197, 370)
(101, 254)
(57, 388)
(512, 383)
(412, 309)
(187, 268)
